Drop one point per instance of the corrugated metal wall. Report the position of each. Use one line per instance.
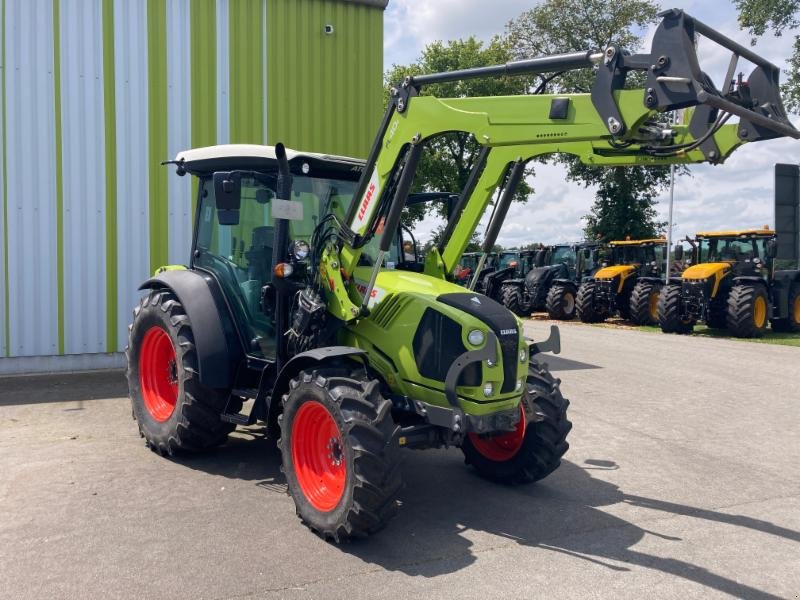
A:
(95, 93)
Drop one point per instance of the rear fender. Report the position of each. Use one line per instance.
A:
(218, 349)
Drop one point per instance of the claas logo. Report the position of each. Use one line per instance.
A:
(367, 199)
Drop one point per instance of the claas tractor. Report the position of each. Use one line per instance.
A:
(627, 285)
(552, 284)
(511, 265)
(735, 285)
(295, 311)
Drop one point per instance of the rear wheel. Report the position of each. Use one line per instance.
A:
(748, 306)
(792, 322)
(173, 410)
(644, 303)
(585, 304)
(534, 449)
(511, 298)
(340, 454)
(561, 303)
(670, 311)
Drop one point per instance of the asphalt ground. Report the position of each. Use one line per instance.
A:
(682, 481)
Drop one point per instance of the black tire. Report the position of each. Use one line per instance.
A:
(644, 302)
(717, 315)
(545, 437)
(585, 305)
(368, 449)
(670, 309)
(511, 298)
(561, 302)
(792, 322)
(194, 423)
(744, 318)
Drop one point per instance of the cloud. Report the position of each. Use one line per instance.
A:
(737, 194)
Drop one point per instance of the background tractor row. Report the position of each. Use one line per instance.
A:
(552, 283)
(302, 308)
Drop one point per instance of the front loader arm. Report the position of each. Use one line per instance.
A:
(612, 126)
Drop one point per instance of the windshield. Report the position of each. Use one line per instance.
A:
(731, 250)
(637, 255)
(562, 255)
(509, 259)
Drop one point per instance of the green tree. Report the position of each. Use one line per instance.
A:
(625, 199)
(757, 16)
(448, 159)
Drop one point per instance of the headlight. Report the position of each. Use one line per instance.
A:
(488, 390)
(300, 250)
(476, 337)
(523, 355)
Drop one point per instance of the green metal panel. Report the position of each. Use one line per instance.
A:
(246, 72)
(324, 90)
(110, 131)
(157, 125)
(203, 41)
(59, 174)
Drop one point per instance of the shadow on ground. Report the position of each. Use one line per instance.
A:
(62, 387)
(444, 502)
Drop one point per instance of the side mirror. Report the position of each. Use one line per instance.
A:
(678, 252)
(228, 197)
(772, 248)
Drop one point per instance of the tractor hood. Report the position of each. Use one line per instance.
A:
(419, 326)
(706, 270)
(614, 270)
(538, 274)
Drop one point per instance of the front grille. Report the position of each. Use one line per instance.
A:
(437, 345)
(388, 310)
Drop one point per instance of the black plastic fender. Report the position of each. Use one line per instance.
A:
(216, 356)
(296, 364)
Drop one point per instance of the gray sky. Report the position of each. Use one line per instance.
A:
(738, 194)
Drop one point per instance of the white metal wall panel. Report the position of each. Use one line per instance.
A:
(133, 229)
(223, 74)
(179, 128)
(30, 131)
(83, 161)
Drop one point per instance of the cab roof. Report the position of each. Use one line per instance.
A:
(201, 161)
(764, 232)
(638, 242)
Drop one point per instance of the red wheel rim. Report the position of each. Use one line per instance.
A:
(503, 446)
(158, 374)
(318, 456)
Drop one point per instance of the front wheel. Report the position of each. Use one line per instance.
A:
(339, 452)
(585, 303)
(534, 449)
(511, 298)
(561, 302)
(748, 306)
(644, 303)
(792, 322)
(670, 311)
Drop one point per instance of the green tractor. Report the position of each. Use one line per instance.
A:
(289, 312)
(552, 283)
(628, 285)
(511, 266)
(734, 285)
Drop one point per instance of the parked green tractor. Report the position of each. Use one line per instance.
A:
(552, 284)
(734, 285)
(511, 265)
(290, 314)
